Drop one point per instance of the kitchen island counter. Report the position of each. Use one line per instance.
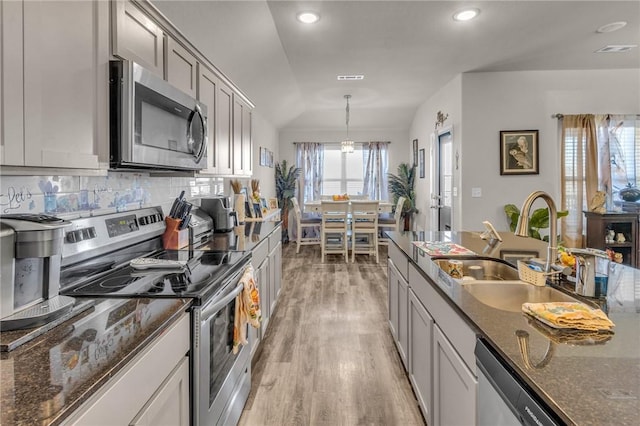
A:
(585, 382)
(45, 380)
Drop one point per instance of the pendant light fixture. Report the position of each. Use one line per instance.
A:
(347, 144)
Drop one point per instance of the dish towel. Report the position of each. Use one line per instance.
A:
(569, 315)
(440, 248)
(247, 309)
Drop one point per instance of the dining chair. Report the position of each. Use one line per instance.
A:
(364, 228)
(305, 223)
(334, 228)
(388, 222)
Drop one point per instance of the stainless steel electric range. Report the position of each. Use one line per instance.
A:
(120, 255)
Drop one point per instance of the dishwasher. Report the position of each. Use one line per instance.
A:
(502, 398)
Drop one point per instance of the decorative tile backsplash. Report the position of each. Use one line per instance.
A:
(87, 195)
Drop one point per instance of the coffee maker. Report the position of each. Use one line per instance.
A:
(218, 207)
(30, 255)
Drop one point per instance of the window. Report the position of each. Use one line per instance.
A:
(343, 173)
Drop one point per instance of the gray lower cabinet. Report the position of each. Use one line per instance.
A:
(420, 344)
(454, 401)
(398, 310)
(151, 389)
(268, 274)
(434, 342)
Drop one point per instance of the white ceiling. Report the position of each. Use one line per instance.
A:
(405, 49)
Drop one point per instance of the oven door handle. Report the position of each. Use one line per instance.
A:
(211, 311)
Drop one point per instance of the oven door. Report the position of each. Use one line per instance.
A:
(222, 379)
(153, 123)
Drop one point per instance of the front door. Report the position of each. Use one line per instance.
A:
(442, 195)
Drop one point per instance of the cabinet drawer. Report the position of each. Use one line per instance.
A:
(274, 238)
(259, 253)
(399, 259)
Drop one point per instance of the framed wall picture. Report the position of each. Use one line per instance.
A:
(273, 203)
(519, 152)
(421, 163)
(415, 152)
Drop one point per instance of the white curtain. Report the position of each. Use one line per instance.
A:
(376, 168)
(310, 160)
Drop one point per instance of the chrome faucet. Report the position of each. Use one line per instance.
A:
(522, 229)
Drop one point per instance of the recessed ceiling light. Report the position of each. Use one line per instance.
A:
(611, 27)
(308, 17)
(616, 48)
(466, 15)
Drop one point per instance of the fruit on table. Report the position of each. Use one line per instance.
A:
(567, 259)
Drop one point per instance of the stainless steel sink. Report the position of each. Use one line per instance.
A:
(511, 296)
(481, 268)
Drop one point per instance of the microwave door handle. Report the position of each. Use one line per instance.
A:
(211, 311)
(203, 146)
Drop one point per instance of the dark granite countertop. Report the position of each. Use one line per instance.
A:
(244, 237)
(45, 380)
(585, 383)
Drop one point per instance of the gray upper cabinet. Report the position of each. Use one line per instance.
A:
(182, 67)
(137, 37)
(54, 78)
(242, 145)
(224, 124)
(142, 34)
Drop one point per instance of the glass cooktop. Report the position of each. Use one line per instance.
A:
(203, 275)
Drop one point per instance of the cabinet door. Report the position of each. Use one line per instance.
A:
(170, 404)
(135, 36)
(11, 84)
(403, 319)
(63, 84)
(241, 137)
(275, 268)
(420, 345)
(182, 67)
(224, 125)
(454, 393)
(262, 275)
(392, 297)
(208, 84)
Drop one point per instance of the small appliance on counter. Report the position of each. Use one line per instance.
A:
(218, 207)
(31, 249)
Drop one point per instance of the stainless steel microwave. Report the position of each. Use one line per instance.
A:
(152, 124)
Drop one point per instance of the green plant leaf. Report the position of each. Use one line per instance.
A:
(513, 214)
(402, 184)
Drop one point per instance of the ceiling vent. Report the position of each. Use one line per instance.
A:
(616, 48)
(350, 77)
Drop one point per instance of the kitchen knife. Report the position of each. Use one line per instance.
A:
(176, 206)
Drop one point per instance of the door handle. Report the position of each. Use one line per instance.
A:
(438, 206)
(202, 149)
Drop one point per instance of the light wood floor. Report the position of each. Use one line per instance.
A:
(328, 357)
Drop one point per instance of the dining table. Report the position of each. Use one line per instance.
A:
(313, 206)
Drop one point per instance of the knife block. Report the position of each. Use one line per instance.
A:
(174, 238)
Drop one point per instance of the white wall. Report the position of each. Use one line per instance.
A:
(446, 100)
(264, 136)
(489, 102)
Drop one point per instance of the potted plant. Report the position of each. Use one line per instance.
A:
(539, 220)
(402, 185)
(286, 179)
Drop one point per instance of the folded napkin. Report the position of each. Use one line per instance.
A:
(440, 248)
(247, 309)
(569, 315)
(571, 336)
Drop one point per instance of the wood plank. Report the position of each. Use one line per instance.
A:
(328, 357)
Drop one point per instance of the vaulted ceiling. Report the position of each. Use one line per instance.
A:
(405, 49)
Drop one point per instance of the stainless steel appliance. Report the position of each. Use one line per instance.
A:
(152, 124)
(224, 217)
(503, 399)
(31, 247)
(220, 380)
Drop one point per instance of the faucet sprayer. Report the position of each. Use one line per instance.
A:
(522, 229)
